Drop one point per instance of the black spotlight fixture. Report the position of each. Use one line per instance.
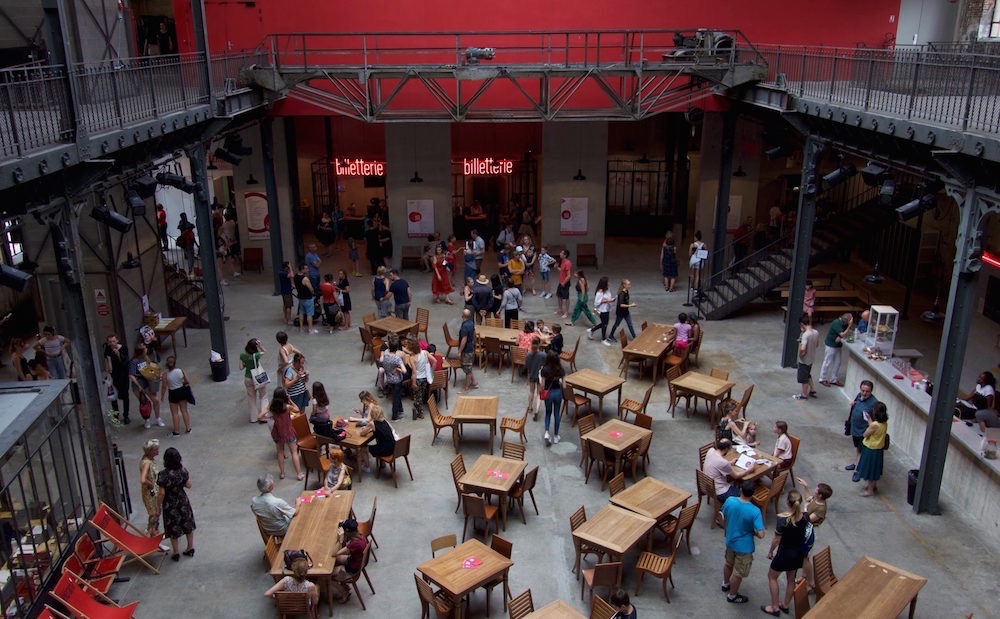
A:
(886, 192)
(740, 172)
(875, 277)
(913, 208)
(416, 177)
(474, 54)
(145, 186)
(873, 174)
(840, 175)
(131, 262)
(234, 144)
(13, 278)
(113, 219)
(175, 180)
(579, 175)
(778, 152)
(135, 203)
(227, 156)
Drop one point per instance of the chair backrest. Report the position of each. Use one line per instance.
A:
(370, 524)
(599, 609)
(501, 545)
(107, 522)
(517, 324)
(673, 373)
(512, 451)
(366, 336)
(300, 423)
(643, 421)
(702, 452)
(622, 339)
(597, 451)
(607, 574)
(494, 322)
(75, 594)
(521, 605)
(458, 467)
(576, 347)
(645, 325)
(474, 505)
(423, 318)
(644, 444)
(448, 339)
(778, 484)
(529, 480)
(492, 345)
(445, 541)
(370, 317)
(402, 447)
(745, 400)
(518, 355)
(687, 516)
(423, 589)
(586, 424)
(577, 518)
(823, 572)
(801, 596)
(85, 549)
(645, 398)
(311, 458)
(794, 440)
(432, 406)
(291, 603)
(271, 551)
(720, 374)
(440, 380)
(617, 484)
(696, 346)
(74, 565)
(706, 487)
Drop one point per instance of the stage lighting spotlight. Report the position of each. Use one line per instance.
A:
(111, 218)
(579, 175)
(13, 278)
(135, 203)
(227, 156)
(873, 174)
(145, 186)
(416, 177)
(474, 54)
(841, 174)
(915, 207)
(175, 180)
(131, 262)
(886, 191)
(234, 144)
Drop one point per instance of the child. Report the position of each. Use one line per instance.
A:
(683, 330)
(556, 343)
(782, 446)
(545, 262)
(353, 256)
(619, 599)
(816, 512)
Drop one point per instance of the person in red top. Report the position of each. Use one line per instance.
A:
(437, 361)
(330, 306)
(350, 556)
(562, 290)
(161, 225)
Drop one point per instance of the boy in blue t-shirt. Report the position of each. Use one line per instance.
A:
(743, 522)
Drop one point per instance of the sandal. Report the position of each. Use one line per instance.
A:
(300, 477)
(189, 552)
(784, 609)
(773, 613)
(175, 557)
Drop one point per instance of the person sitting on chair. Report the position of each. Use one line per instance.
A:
(349, 557)
(274, 513)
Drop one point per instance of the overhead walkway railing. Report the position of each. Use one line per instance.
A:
(948, 85)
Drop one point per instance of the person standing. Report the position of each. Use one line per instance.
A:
(331, 308)
(695, 263)
(282, 433)
(423, 376)
(344, 289)
(668, 262)
(147, 479)
(744, 522)
(116, 365)
(54, 346)
(816, 512)
(188, 242)
(786, 552)
(441, 287)
(142, 386)
(582, 301)
(176, 386)
(603, 299)
(515, 268)
(287, 288)
(400, 290)
(295, 381)
(306, 293)
(533, 364)
(510, 302)
(380, 293)
(325, 232)
(872, 448)
(478, 250)
(809, 301)
(161, 226)
(467, 348)
(562, 290)
(545, 264)
(482, 297)
(859, 417)
(623, 311)
(178, 517)
(312, 262)
(835, 337)
(808, 343)
(395, 370)
(552, 374)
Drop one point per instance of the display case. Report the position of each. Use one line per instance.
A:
(883, 322)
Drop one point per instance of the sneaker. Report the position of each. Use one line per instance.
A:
(590, 334)
(546, 438)
(606, 342)
(799, 396)
(315, 331)
(159, 422)
(813, 394)
(739, 598)
(147, 425)
(555, 439)
(850, 467)
(856, 477)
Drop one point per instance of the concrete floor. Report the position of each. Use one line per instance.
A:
(225, 454)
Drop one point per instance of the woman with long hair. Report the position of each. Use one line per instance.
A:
(19, 359)
(250, 360)
(551, 376)
(147, 479)
(441, 287)
(603, 298)
(582, 305)
(786, 552)
(668, 262)
(142, 386)
(282, 433)
(176, 386)
(178, 518)
(694, 263)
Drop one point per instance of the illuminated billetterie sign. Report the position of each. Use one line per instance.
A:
(487, 166)
(359, 167)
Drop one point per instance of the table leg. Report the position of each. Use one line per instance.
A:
(357, 461)
(913, 606)
(503, 510)
(456, 601)
(600, 408)
(493, 430)
(329, 594)
(458, 437)
(185, 330)
(173, 342)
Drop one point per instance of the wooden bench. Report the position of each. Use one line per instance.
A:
(586, 254)
(822, 280)
(851, 294)
(411, 256)
(836, 309)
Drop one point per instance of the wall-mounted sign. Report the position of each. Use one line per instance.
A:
(419, 218)
(359, 167)
(487, 166)
(258, 224)
(573, 216)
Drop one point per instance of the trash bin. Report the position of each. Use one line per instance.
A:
(911, 485)
(220, 370)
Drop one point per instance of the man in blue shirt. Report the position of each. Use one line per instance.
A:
(467, 349)
(743, 522)
(312, 262)
(861, 411)
(400, 295)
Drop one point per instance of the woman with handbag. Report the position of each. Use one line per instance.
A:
(255, 377)
(145, 374)
(281, 409)
(177, 388)
(872, 445)
(297, 582)
(552, 393)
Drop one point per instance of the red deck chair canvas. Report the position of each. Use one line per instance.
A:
(96, 565)
(74, 566)
(110, 523)
(50, 613)
(78, 597)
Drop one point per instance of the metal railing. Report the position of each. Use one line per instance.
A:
(945, 85)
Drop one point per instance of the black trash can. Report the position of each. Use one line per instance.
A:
(220, 370)
(911, 484)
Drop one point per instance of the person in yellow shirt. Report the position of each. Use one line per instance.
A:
(872, 447)
(516, 267)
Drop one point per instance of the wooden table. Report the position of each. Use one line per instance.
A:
(617, 436)
(556, 610)
(356, 442)
(506, 336)
(391, 324)
(450, 572)
(314, 529)
(615, 530)
(596, 383)
(759, 470)
(706, 387)
(651, 345)
(871, 589)
(168, 327)
(494, 475)
(651, 498)
(476, 409)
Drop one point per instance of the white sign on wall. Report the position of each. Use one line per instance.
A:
(419, 218)
(573, 216)
(258, 224)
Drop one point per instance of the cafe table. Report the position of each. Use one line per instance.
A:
(617, 437)
(760, 469)
(615, 530)
(651, 345)
(494, 475)
(357, 442)
(464, 569)
(168, 327)
(556, 610)
(314, 529)
(652, 498)
(707, 387)
(391, 324)
(872, 589)
(470, 409)
(506, 336)
(596, 383)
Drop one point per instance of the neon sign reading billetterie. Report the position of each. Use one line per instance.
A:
(487, 166)
(359, 167)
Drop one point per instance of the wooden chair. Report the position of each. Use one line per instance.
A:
(706, 489)
(50, 613)
(570, 357)
(290, 604)
(368, 344)
(369, 317)
(521, 605)
(605, 462)
(655, 565)
(352, 579)
(505, 548)
(719, 373)
(582, 548)
(457, 472)
(627, 359)
(119, 531)
(271, 552)
(366, 528)
(601, 575)
(512, 451)
(634, 406)
(823, 572)
(493, 348)
(644, 326)
(643, 421)
(763, 495)
(676, 360)
(517, 324)
(745, 401)
(438, 421)
(599, 609)
(476, 507)
(452, 342)
(304, 436)
(617, 484)
(586, 424)
(642, 455)
(518, 358)
(440, 543)
(527, 485)
(578, 400)
(695, 348)
(494, 322)
(82, 600)
(402, 450)
(676, 393)
(514, 424)
(671, 525)
(443, 608)
(702, 452)
(440, 384)
(313, 461)
(423, 320)
(800, 594)
(794, 440)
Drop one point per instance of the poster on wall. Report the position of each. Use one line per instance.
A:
(734, 217)
(573, 216)
(258, 224)
(419, 218)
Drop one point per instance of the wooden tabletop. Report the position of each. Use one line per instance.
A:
(172, 326)
(451, 571)
(593, 381)
(614, 529)
(354, 438)
(391, 324)
(494, 474)
(507, 336)
(759, 469)
(476, 408)
(617, 435)
(314, 528)
(653, 342)
(556, 610)
(651, 498)
(871, 589)
(703, 385)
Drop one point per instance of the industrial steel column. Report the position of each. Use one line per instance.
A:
(808, 188)
(206, 248)
(273, 210)
(718, 253)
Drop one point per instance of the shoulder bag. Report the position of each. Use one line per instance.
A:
(847, 422)
(886, 447)
(257, 373)
(543, 394)
(293, 555)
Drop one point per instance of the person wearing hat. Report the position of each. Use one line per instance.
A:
(482, 297)
(516, 268)
(350, 556)
(147, 477)
(273, 513)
